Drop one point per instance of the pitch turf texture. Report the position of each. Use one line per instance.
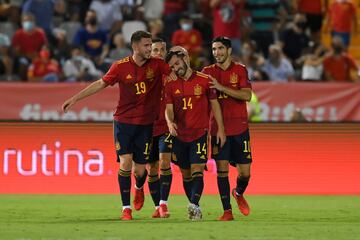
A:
(55, 217)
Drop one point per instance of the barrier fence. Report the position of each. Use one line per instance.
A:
(79, 158)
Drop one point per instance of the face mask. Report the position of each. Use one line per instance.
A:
(28, 25)
(44, 54)
(337, 49)
(92, 21)
(301, 25)
(186, 26)
(77, 58)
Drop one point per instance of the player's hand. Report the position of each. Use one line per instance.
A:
(215, 84)
(221, 137)
(172, 129)
(67, 105)
(172, 76)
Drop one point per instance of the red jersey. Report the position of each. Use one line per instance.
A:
(227, 19)
(39, 68)
(234, 111)
(191, 105)
(139, 89)
(191, 40)
(160, 125)
(339, 68)
(310, 6)
(341, 15)
(29, 43)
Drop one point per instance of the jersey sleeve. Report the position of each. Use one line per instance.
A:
(165, 68)
(168, 94)
(244, 78)
(111, 77)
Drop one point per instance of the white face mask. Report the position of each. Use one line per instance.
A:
(186, 26)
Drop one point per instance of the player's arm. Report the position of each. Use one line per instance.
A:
(88, 91)
(220, 135)
(241, 94)
(169, 116)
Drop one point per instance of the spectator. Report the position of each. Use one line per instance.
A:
(120, 50)
(277, 67)
(227, 21)
(109, 15)
(80, 68)
(172, 15)
(267, 17)
(338, 65)
(43, 11)
(156, 28)
(341, 18)
(312, 69)
(252, 60)
(314, 11)
(26, 43)
(92, 39)
(5, 58)
(294, 40)
(188, 37)
(153, 9)
(71, 27)
(43, 68)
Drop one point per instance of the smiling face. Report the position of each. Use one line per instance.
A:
(220, 52)
(178, 65)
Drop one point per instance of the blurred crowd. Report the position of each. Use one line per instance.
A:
(278, 40)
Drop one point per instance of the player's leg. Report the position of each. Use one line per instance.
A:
(181, 157)
(165, 148)
(124, 180)
(142, 148)
(154, 186)
(221, 156)
(153, 177)
(198, 158)
(242, 157)
(122, 136)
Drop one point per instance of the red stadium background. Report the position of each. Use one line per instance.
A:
(72, 158)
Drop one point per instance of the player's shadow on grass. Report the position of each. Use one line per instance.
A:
(135, 220)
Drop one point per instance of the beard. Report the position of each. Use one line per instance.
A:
(221, 59)
(182, 71)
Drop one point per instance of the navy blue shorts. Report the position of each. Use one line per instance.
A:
(133, 139)
(161, 144)
(187, 153)
(236, 149)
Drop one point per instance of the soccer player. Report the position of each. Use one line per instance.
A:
(188, 101)
(231, 81)
(161, 150)
(139, 78)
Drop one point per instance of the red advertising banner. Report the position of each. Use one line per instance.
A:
(318, 101)
(79, 158)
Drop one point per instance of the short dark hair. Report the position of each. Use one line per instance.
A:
(138, 35)
(156, 40)
(224, 40)
(173, 53)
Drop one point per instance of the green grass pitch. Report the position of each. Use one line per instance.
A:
(90, 217)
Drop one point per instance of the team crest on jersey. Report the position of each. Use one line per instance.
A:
(117, 146)
(234, 79)
(149, 73)
(128, 77)
(197, 90)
